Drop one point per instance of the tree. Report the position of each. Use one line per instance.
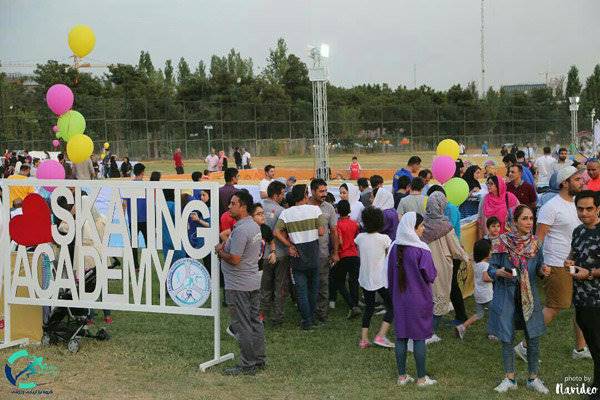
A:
(590, 97)
(183, 71)
(295, 79)
(277, 62)
(573, 84)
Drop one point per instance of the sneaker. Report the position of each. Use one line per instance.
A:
(381, 312)
(492, 338)
(505, 386)
(383, 341)
(581, 354)
(363, 344)
(521, 351)
(405, 380)
(239, 370)
(354, 312)
(434, 339)
(108, 320)
(459, 331)
(230, 332)
(537, 385)
(332, 305)
(261, 316)
(427, 381)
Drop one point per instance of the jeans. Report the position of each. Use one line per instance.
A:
(370, 306)
(419, 351)
(533, 355)
(588, 319)
(179, 170)
(456, 296)
(347, 266)
(243, 308)
(141, 227)
(307, 288)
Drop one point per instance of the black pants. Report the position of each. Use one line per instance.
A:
(179, 170)
(588, 319)
(347, 266)
(370, 306)
(141, 227)
(456, 296)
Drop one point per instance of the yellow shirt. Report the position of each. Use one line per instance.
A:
(19, 192)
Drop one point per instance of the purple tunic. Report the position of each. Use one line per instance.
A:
(413, 308)
(390, 223)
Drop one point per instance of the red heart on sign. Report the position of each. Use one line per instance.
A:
(33, 227)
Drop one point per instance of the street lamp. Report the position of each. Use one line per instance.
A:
(208, 128)
(318, 75)
(573, 108)
(593, 114)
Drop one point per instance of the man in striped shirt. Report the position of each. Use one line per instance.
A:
(303, 224)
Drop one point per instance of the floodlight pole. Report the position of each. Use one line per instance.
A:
(573, 108)
(318, 76)
(208, 129)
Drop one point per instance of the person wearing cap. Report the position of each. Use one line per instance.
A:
(557, 220)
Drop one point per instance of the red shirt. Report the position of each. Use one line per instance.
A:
(354, 170)
(347, 230)
(594, 184)
(178, 159)
(226, 222)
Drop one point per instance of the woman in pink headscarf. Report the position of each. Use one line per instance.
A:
(497, 203)
(222, 163)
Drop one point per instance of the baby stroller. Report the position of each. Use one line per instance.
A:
(67, 324)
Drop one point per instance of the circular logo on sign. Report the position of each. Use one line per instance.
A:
(188, 283)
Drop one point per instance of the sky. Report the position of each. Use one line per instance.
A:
(371, 41)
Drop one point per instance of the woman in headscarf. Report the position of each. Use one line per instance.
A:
(350, 192)
(515, 262)
(222, 163)
(445, 247)
(114, 168)
(471, 176)
(489, 168)
(471, 205)
(410, 275)
(384, 200)
(497, 203)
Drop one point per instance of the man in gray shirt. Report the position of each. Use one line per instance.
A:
(239, 261)
(328, 244)
(274, 280)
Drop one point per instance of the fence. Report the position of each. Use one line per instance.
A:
(149, 130)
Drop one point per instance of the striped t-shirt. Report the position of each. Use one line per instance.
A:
(301, 223)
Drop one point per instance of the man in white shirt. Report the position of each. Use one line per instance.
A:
(557, 220)
(563, 160)
(545, 167)
(246, 159)
(264, 184)
(212, 160)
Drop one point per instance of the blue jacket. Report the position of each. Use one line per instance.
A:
(528, 176)
(452, 212)
(502, 310)
(397, 175)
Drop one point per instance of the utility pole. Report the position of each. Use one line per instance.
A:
(482, 45)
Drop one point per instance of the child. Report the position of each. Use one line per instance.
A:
(493, 228)
(349, 263)
(483, 284)
(354, 169)
(373, 247)
(410, 276)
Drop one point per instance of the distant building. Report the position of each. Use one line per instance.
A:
(524, 88)
(24, 79)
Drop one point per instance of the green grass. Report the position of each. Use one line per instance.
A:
(156, 356)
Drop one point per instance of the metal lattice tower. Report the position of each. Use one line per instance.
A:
(482, 45)
(318, 76)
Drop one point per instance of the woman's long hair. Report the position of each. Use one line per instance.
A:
(400, 263)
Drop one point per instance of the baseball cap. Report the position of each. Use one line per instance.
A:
(565, 173)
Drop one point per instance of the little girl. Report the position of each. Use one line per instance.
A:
(410, 275)
(372, 248)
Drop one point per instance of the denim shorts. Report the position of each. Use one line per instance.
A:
(480, 309)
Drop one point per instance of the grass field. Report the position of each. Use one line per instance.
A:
(154, 356)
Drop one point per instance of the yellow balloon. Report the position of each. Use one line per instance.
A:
(448, 147)
(79, 148)
(106, 145)
(81, 40)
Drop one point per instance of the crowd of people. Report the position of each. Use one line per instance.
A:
(398, 252)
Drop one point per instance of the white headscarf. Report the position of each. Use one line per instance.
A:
(356, 206)
(406, 234)
(383, 199)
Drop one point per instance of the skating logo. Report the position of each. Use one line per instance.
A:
(188, 283)
(27, 372)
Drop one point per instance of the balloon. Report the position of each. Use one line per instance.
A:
(81, 40)
(80, 148)
(70, 124)
(55, 143)
(405, 141)
(59, 98)
(448, 147)
(54, 128)
(106, 145)
(457, 191)
(50, 169)
(443, 168)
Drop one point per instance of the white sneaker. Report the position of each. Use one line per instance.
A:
(505, 386)
(427, 381)
(521, 351)
(537, 385)
(230, 332)
(579, 355)
(332, 304)
(434, 339)
(407, 379)
(460, 331)
(381, 312)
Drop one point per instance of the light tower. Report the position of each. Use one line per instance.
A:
(482, 45)
(318, 75)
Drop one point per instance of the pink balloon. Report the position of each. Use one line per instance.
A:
(55, 129)
(50, 169)
(443, 168)
(59, 98)
(55, 143)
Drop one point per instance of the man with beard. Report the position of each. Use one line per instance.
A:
(593, 170)
(563, 161)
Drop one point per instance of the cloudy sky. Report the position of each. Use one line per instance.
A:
(371, 41)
